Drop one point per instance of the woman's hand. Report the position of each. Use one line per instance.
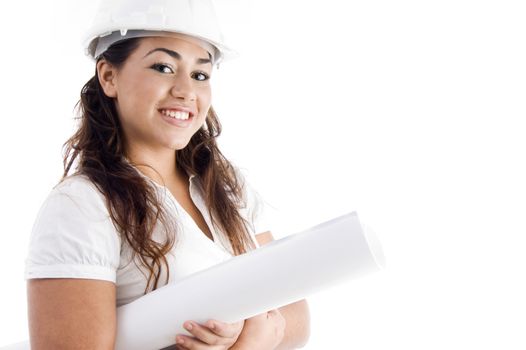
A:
(264, 331)
(213, 335)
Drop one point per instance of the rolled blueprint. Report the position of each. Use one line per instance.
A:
(279, 273)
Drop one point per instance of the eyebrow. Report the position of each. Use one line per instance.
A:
(177, 55)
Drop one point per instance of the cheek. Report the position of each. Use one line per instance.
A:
(140, 84)
(205, 100)
(204, 107)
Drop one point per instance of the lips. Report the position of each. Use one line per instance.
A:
(177, 119)
(171, 109)
(181, 115)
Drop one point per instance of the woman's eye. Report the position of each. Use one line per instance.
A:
(163, 68)
(200, 76)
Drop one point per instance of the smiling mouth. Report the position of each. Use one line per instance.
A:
(180, 115)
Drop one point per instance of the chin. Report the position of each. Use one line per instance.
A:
(179, 146)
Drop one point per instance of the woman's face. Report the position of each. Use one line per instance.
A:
(163, 82)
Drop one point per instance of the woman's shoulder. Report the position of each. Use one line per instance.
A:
(240, 174)
(256, 209)
(250, 195)
(77, 185)
(79, 190)
(73, 235)
(74, 182)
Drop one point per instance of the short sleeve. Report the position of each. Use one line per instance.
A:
(258, 212)
(73, 235)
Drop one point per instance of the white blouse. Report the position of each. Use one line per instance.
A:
(74, 237)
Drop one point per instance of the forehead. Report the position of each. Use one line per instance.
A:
(185, 47)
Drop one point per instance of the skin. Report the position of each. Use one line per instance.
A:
(140, 88)
(52, 325)
(280, 329)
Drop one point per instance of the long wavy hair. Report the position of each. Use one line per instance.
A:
(96, 150)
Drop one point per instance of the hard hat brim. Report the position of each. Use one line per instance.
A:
(94, 49)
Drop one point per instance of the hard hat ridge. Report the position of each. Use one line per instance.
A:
(116, 20)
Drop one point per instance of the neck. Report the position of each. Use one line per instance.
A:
(160, 166)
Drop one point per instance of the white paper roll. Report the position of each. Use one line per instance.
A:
(279, 273)
(18, 346)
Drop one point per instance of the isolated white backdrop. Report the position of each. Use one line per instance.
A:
(409, 111)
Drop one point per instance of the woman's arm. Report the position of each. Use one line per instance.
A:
(296, 315)
(297, 330)
(71, 314)
(284, 328)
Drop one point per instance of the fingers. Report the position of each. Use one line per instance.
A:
(273, 312)
(202, 334)
(189, 343)
(213, 335)
(225, 330)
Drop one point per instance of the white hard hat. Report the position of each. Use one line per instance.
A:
(122, 19)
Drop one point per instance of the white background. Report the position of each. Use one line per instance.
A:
(409, 111)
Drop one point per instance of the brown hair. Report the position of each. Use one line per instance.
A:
(135, 209)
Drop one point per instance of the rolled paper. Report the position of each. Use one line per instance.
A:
(18, 346)
(279, 273)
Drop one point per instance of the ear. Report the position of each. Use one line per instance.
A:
(107, 75)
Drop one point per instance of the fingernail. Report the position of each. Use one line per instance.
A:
(179, 341)
(189, 326)
(212, 325)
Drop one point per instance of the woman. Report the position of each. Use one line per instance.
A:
(151, 199)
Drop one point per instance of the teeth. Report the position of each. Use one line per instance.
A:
(176, 114)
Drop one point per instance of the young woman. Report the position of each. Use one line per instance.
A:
(146, 198)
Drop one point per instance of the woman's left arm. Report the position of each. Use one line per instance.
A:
(297, 316)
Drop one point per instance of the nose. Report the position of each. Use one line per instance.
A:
(183, 88)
